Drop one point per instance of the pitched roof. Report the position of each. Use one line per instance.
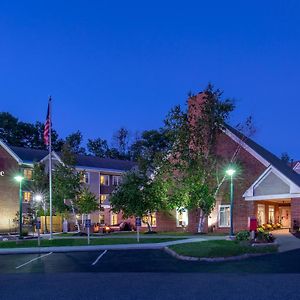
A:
(28, 155)
(103, 163)
(268, 156)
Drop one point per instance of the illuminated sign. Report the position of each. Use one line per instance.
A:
(1, 173)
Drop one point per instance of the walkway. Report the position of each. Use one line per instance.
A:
(286, 241)
(148, 246)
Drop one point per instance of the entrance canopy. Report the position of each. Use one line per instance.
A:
(272, 184)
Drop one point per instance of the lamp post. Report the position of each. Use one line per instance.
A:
(19, 179)
(230, 172)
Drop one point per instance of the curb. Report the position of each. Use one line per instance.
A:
(63, 249)
(209, 259)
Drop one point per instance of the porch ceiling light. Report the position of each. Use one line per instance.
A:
(230, 172)
(19, 178)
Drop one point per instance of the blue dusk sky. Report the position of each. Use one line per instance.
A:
(109, 64)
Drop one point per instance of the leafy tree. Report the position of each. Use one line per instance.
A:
(192, 161)
(140, 196)
(74, 141)
(150, 147)
(98, 147)
(22, 134)
(66, 182)
(8, 128)
(86, 202)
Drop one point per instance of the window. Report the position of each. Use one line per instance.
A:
(27, 173)
(116, 180)
(224, 216)
(26, 196)
(101, 219)
(182, 218)
(261, 219)
(103, 197)
(113, 218)
(104, 180)
(151, 218)
(85, 178)
(271, 214)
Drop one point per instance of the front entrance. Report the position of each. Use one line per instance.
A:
(285, 216)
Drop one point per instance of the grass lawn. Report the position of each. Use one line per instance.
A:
(218, 248)
(80, 242)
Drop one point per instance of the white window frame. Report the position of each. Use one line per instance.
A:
(117, 178)
(86, 176)
(23, 197)
(273, 207)
(264, 212)
(112, 214)
(185, 215)
(219, 215)
(25, 170)
(108, 181)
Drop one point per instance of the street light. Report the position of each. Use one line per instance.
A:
(230, 172)
(19, 179)
(39, 198)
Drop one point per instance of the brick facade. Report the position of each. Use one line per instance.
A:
(9, 191)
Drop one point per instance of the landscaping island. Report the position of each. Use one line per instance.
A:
(219, 249)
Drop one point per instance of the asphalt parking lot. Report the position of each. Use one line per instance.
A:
(142, 261)
(146, 274)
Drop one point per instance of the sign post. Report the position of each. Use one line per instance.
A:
(88, 225)
(138, 224)
(38, 227)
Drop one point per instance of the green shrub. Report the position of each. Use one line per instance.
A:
(243, 235)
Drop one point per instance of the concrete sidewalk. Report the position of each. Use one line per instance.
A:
(150, 246)
(286, 241)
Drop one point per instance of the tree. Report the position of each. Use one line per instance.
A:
(150, 147)
(66, 182)
(98, 147)
(140, 196)
(74, 141)
(285, 157)
(22, 134)
(193, 161)
(121, 142)
(86, 202)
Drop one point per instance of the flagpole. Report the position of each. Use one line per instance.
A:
(50, 167)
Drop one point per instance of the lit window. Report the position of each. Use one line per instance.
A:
(104, 180)
(261, 214)
(224, 215)
(271, 214)
(27, 174)
(26, 197)
(85, 178)
(113, 218)
(182, 218)
(116, 180)
(103, 197)
(151, 219)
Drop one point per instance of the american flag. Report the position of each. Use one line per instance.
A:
(47, 125)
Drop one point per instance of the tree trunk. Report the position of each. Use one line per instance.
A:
(76, 221)
(149, 226)
(202, 218)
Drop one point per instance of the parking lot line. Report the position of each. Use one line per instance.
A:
(99, 257)
(32, 260)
